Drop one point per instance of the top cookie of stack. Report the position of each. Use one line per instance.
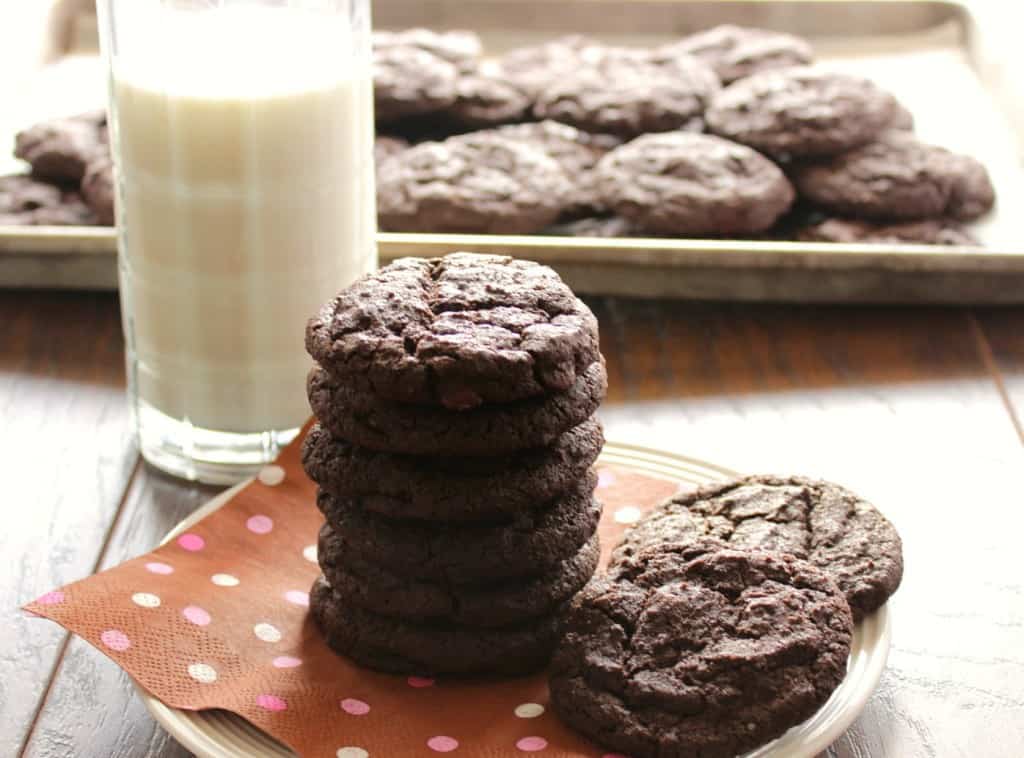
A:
(453, 455)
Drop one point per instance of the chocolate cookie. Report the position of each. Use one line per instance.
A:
(373, 587)
(61, 149)
(734, 52)
(459, 47)
(26, 201)
(831, 527)
(484, 97)
(471, 183)
(536, 67)
(457, 331)
(693, 184)
(595, 226)
(409, 81)
(801, 112)
(629, 93)
(530, 545)
(451, 489)
(937, 231)
(385, 146)
(98, 189)
(488, 430)
(897, 178)
(576, 151)
(696, 650)
(387, 644)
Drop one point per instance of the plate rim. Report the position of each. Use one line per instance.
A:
(656, 461)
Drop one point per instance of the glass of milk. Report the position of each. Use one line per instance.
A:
(242, 136)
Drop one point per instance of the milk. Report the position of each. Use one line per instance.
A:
(244, 150)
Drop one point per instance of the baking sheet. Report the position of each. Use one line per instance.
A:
(934, 56)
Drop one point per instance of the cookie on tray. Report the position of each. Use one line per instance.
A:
(696, 649)
(829, 526)
(409, 81)
(629, 93)
(456, 331)
(376, 588)
(801, 112)
(451, 489)
(608, 227)
(898, 178)
(485, 97)
(385, 146)
(535, 67)
(98, 189)
(460, 47)
(936, 231)
(477, 183)
(401, 647)
(26, 201)
(486, 430)
(532, 544)
(692, 184)
(60, 150)
(734, 52)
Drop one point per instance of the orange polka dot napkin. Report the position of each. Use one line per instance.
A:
(219, 618)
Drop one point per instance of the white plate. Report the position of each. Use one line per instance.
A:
(220, 734)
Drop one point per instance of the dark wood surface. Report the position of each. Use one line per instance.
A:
(918, 409)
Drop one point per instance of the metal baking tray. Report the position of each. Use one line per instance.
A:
(947, 62)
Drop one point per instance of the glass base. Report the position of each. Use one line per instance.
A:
(179, 448)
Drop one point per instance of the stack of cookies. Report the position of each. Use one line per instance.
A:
(454, 451)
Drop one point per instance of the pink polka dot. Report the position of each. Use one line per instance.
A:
(442, 744)
(271, 703)
(51, 598)
(605, 478)
(286, 662)
(420, 681)
(196, 615)
(159, 568)
(532, 744)
(191, 542)
(355, 707)
(115, 639)
(297, 597)
(260, 524)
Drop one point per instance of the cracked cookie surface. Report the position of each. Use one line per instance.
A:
(530, 545)
(697, 649)
(823, 523)
(801, 112)
(410, 81)
(456, 331)
(898, 177)
(476, 183)
(693, 184)
(451, 489)
(401, 647)
(734, 52)
(376, 588)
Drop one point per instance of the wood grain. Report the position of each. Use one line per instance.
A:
(901, 405)
(67, 459)
(68, 719)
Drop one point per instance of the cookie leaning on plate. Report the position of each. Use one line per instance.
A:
(697, 649)
(451, 489)
(829, 526)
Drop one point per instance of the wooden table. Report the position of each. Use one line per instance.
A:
(918, 409)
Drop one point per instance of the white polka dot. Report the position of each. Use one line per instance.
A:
(224, 580)
(309, 553)
(202, 673)
(628, 515)
(529, 710)
(271, 475)
(146, 600)
(267, 632)
(351, 752)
